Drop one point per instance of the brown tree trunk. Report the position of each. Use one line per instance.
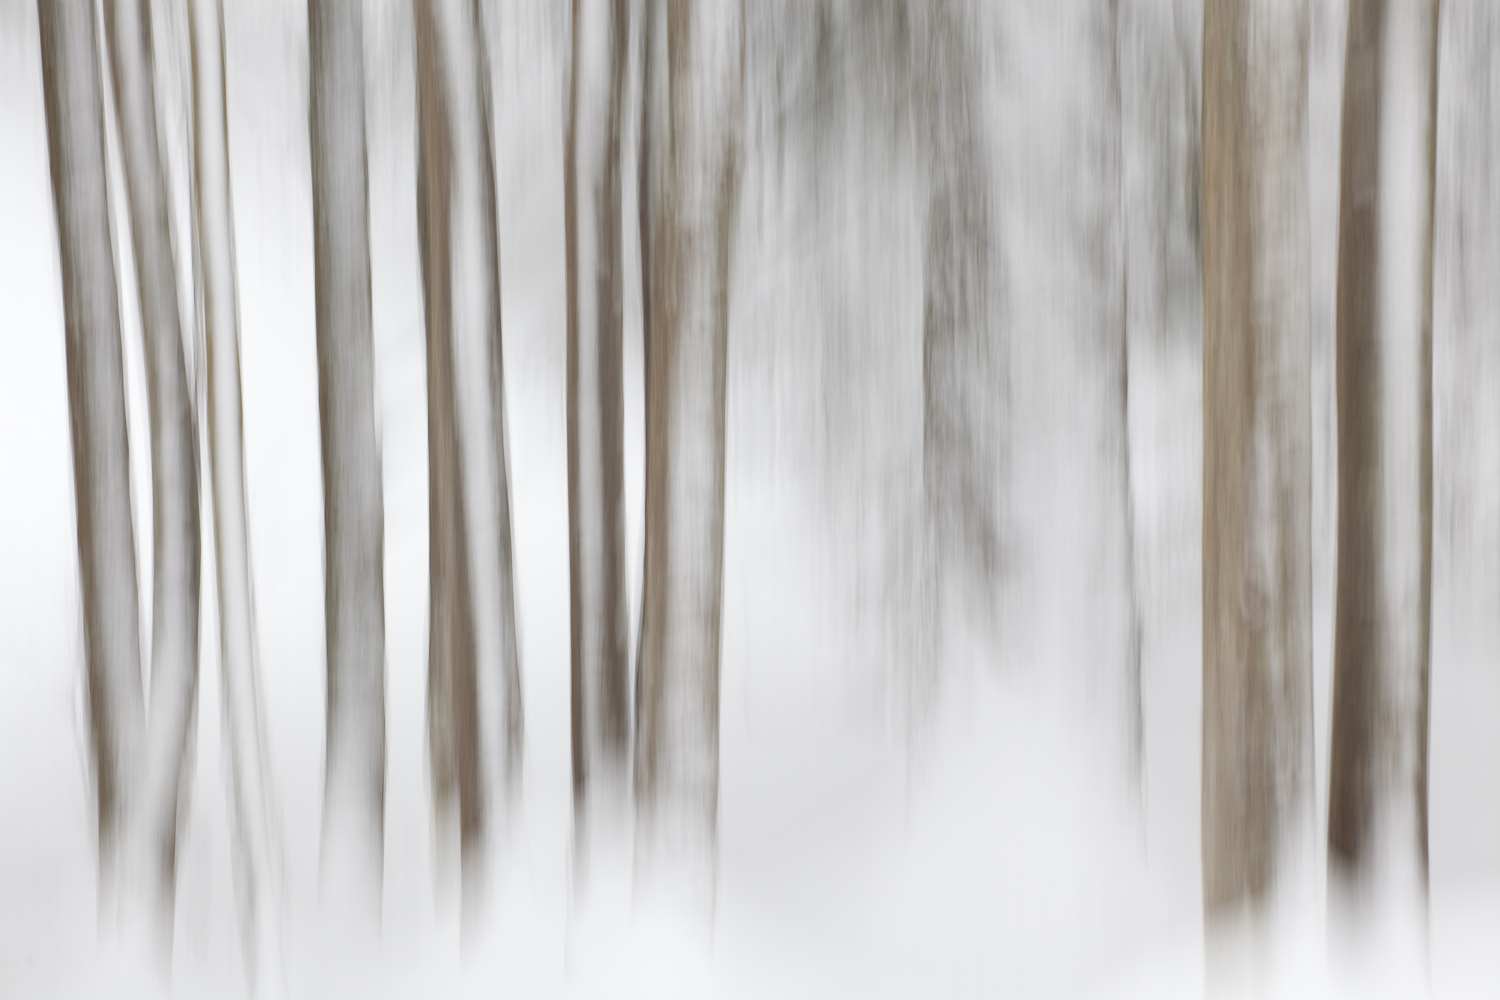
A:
(96, 403)
(174, 472)
(353, 517)
(1378, 771)
(677, 693)
(1257, 643)
(252, 835)
(476, 738)
(596, 444)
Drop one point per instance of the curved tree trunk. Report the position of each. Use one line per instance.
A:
(476, 739)
(1257, 640)
(256, 882)
(677, 684)
(174, 472)
(353, 510)
(1378, 775)
(596, 444)
(96, 403)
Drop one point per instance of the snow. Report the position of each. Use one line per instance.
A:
(978, 845)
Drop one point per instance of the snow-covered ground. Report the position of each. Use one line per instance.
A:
(984, 846)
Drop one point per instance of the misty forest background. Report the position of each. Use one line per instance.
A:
(935, 775)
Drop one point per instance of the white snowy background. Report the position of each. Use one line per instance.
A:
(965, 835)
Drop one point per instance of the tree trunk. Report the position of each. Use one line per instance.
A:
(353, 518)
(1378, 775)
(596, 444)
(1257, 641)
(677, 693)
(96, 400)
(960, 368)
(474, 658)
(174, 473)
(250, 791)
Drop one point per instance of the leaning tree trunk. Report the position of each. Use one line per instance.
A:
(353, 516)
(596, 444)
(1257, 644)
(96, 403)
(677, 684)
(174, 474)
(1378, 770)
(476, 723)
(251, 832)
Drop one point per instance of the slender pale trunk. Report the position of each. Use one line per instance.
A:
(1378, 772)
(174, 472)
(677, 705)
(474, 655)
(353, 515)
(1257, 464)
(96, 403)
(256, 882)
(596, 443)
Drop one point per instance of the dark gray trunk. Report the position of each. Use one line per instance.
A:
(677, 684)
(96, 402)
(474, 657)
(174, 469)
(960, 363)
(596, 455)
(1378, 769)
(353, 517)
(1257, 642)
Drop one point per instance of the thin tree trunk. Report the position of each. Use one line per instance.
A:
(174, 471)
(677, 694)
(958, 357)
(1378, 771)
(596, 443)
(256, 882)
(472, 561)
(1257, 641)
(353, 515)
(96, 401)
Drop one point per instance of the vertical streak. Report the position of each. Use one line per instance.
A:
(250, 787)
(1257, 466)
(96, 403)
(353, 508)
(677, 710)
(174, 467)
(1377, 792)
(596, 516)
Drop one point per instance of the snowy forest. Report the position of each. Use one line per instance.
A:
(749, 498)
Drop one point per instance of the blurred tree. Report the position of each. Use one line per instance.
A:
(596, 458)
(694, 146)
(1378, 770)
(101, 460)
(174, 476)
(1257, 644)
(353, 518)
(475, 715)
(257, 884)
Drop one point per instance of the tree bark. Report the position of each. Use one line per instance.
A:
(353, 515)
(174, 472)
(596, 443)
(96, 401)
(250, 792)
(474, 657)
(677, 694)
(1257, 642)
(1378, 771)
